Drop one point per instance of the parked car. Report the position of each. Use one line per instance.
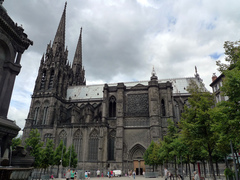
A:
(117, 173)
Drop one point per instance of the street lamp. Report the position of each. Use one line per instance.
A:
(60, 172)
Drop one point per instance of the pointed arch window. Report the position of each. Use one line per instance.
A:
(43, 80)
(77, 142)
(51, 79)
(112, 106)
(45, 115)
(36, 113)
(111, 145)
(63, 137)
(163, 108)
(93, 147)
(46, 137)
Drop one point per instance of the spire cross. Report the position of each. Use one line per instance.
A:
(153, 72)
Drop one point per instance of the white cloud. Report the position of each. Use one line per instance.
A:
(123, 40)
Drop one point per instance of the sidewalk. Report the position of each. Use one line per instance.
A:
(118, 178)
(140, 177)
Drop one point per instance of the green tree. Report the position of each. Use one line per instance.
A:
(230, 88)
(196, 122)
(34, 141)
(17, 141)
(72, 157)
(48, 154)
(151, 156)
(227, 113)
(166, 150)
(60, 156)
(170, 144)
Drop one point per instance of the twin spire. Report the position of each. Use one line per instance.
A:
(59, 40)
(59, 46)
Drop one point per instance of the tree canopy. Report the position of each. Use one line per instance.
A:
(34, 141)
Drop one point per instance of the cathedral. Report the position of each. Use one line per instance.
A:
(110, 125)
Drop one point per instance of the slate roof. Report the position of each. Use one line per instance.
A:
(96, 91)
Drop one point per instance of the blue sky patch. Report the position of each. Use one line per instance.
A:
(215, 55)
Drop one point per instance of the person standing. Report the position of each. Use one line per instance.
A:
(165, 173)
(72, 174)
(75, 175)
(89, 174)
(86, 175)
(196, 176)
(134, 174)
(98, 173)
(68, 174)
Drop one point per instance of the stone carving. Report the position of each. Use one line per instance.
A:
(137, 105)
(136, 122)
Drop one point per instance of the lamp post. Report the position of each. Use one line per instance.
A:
(60, 172)
(70, 157)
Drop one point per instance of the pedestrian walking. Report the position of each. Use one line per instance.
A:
(75, 175)
(86, 175)
(165, 173)
(72, 174)
(52, 177)
(134, 174)
(98, 173)
(68, 174)
(196, 176)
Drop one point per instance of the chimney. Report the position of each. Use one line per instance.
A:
(214, 77)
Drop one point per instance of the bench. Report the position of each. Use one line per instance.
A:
(151, 174)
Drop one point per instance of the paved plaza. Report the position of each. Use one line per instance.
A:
(138, 178)
(119, 178)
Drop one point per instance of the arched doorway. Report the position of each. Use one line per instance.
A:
(136, 155)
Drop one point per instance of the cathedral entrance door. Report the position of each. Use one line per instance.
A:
(139, 166)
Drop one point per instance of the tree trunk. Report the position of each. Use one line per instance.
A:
(189, 167)
(58, 170)
(204, 168)
(238, 165)
(211, 162)
(226, 161)
(217, 169)
(175, 163)
(161, 172)
(40, 174)
(186, 169)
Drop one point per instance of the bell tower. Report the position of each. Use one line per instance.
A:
(54, 72)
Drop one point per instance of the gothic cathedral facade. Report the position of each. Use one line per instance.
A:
(110, 125)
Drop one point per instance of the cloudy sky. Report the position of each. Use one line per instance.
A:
(124, 39)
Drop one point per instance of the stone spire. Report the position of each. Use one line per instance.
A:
(78, 71)
(78, 53)
(197, 75)
(59, 40)
(154, 76)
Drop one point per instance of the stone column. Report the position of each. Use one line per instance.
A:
(120, 117)
(105, 103)
(154, 108)
(10, 71)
